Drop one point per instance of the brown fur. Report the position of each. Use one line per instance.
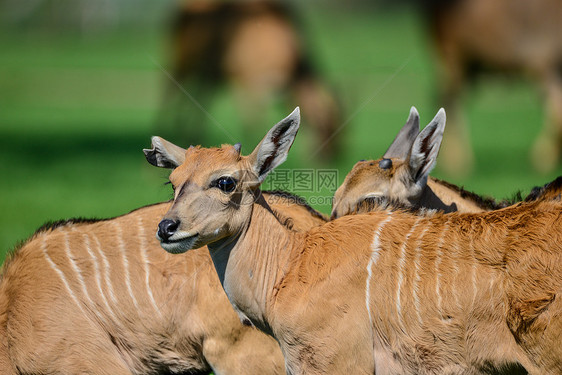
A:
(258, 49)
(5, 363)
(385, 292)
(513, 36)
(189, 325)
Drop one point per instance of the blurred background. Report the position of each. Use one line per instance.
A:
(84, 85)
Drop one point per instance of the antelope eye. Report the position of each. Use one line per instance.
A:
(226, 184)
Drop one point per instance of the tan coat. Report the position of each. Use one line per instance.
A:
(102, 297)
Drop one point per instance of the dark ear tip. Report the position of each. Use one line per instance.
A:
(150, 156)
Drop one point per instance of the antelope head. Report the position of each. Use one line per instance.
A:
(215, 188)
(401, 174)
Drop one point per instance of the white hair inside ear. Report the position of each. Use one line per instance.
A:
(274, 147)
(424, 151)
(164, 154)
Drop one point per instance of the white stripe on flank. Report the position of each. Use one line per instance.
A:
(106, 277)
(455, 258)
(125, 263)
(60, 273)
(473, 269)
(401, 265)
(438, 257)
(98, 274)
(417, 277)
(77, 269)
(144, 257)
(492, 284)
(375, 249)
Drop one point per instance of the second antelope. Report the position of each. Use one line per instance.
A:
(384, 293)
(402, 176)
(400, 179)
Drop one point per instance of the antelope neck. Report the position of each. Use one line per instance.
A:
(251, 263)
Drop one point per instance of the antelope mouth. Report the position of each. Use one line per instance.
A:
(179, 245)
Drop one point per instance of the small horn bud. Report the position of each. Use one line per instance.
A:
(385, 164)
(238, 147)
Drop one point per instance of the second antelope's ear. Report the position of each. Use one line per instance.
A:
(273, 149)
(426, 148)
(402, 144)
(164, 154)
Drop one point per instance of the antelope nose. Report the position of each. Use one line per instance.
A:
(167, 228)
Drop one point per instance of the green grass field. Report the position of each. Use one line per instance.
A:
(75, 113)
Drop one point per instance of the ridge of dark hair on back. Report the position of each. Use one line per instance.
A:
(54, 224)
(46, 227)
(296, 199)
(515, 198)
(539, 192)
(382, 203)
(286, 221)
(483, 202)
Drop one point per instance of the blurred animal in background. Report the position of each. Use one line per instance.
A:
(256, 49)
(520, 36)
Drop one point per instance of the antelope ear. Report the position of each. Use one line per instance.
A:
(273, 149)
(403, 142)
(425, 149)
(164, 154)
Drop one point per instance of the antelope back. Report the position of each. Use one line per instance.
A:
(100, 280)
(294, 210)
(459, 273)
